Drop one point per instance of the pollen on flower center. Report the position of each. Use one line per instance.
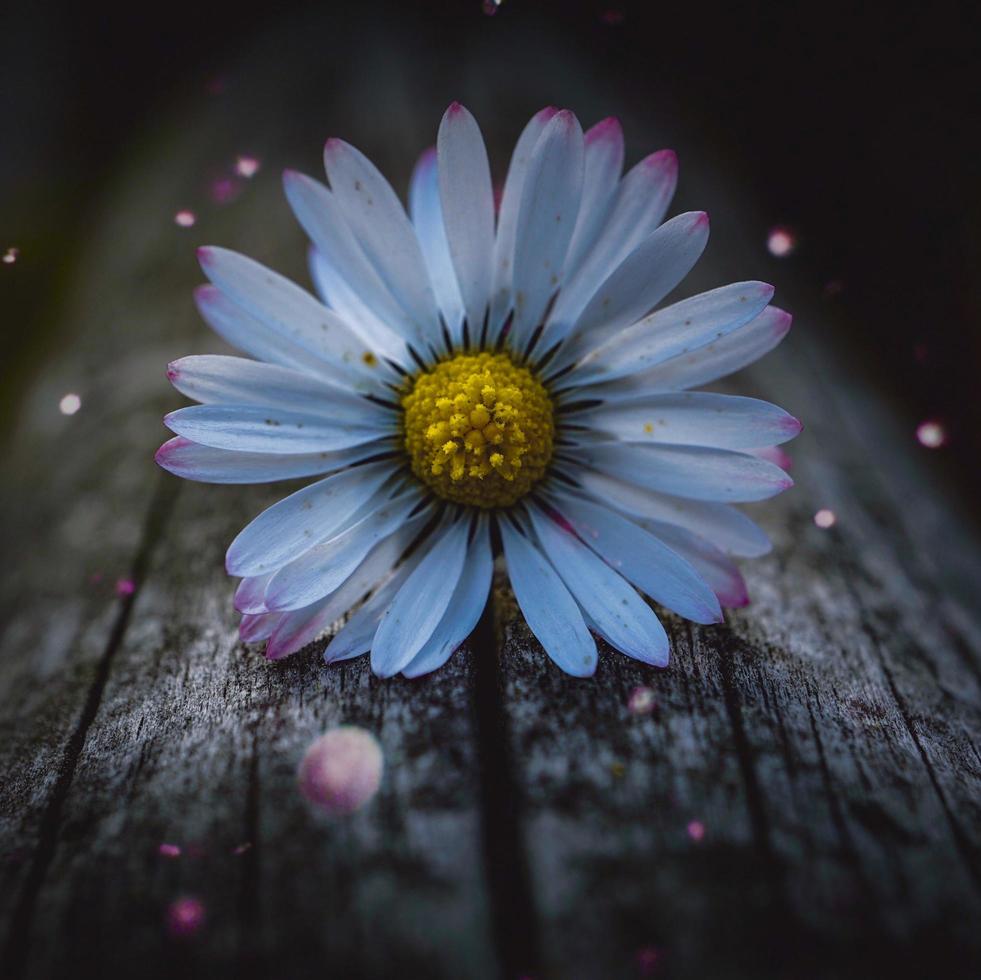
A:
(478, 429)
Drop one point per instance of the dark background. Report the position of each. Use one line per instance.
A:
(855, 126)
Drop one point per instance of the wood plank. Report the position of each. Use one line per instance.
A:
(824, 738)
(205, 756)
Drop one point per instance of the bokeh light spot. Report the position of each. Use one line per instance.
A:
(781, 241)
(69, 404)
(825, 518)
(185, 916)
(931, 434)
(342, 770)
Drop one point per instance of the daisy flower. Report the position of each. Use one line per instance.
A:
(476, 380)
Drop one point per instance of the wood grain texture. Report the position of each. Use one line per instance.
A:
(528, 824)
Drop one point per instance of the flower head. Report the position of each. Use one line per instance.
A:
(474, 379)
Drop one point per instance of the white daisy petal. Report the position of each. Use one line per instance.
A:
(303, 626)
(603, 161)
(689, 471)
(640, 204)
(549, 609)
(207, 465)
(324, 567)
(675, 331)
(642, 559)
(507, 220)
(467, 198)
(248, 428)
(465, 608)
(292, 312)
(323, 220)
(285, 530)
(336, 293)
(413, 385)
(250, 596)
(354, 638)
(417, 609)
(550, 197)
(214, 379)
(693, 418)
(255, 628)
(718, 571)
(626, 621)
(639, 283)
(379, 222)
(715, 360)
(261, 340)
(427, 218)
(727, 528)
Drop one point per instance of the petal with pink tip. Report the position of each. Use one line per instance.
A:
(641, 558)
(692, 418)
(717, 359)
(674, 331)
(215, 379)
(727, 528)
(546, 220)
(207, 465)
(252, 429)
(717, 570)
(507, 220)
(603, 162)
(639, 206)
(695, 472)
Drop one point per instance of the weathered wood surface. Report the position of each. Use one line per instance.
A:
(826, 736)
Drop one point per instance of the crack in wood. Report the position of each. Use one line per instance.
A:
(17, 944)
(506, 867)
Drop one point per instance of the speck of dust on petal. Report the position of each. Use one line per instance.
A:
(825, 518)
(696, 830)
(641, 701)
(342, 770)
(185, 916)
(781, 241)
(69, 404)
(185, 218)
(931, 434)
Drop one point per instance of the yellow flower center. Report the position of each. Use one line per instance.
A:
(478, 429)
